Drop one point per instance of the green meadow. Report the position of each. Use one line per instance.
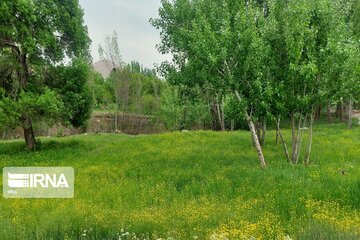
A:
(190, 185)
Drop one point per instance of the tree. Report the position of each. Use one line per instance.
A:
(307, 44)
(34, 37)
(217, 44)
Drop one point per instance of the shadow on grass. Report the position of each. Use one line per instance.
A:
(13, 148)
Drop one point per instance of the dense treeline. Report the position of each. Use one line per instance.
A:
(129, 89)
(267, 60)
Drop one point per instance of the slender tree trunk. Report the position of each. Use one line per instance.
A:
(213, 114)
(293, 136)
(255, 140)
(232, 125)
(309, 144)
(4, 135)
(350, 113)
(300, 141)
(318, 113)
(297, 140)
(222, 114)
(282, 140)
(116, 116)
(263, 134)
(277, 131)
(258, 131)
(328, 109)
(29, 134)
(341, 112)
(253, 135)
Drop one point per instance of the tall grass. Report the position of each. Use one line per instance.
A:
(190, 185)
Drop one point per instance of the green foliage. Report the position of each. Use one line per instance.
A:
(281, 56)
(35, 38)
(71, 82)
(46, 106)
(100, 91)
(171, 109)
(234, 114)
(130, 89)
(183, 109)
(47, 30)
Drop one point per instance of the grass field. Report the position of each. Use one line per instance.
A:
(190, 185)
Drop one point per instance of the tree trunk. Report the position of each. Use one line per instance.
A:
(116, 121)
(4, 135)
(214, 115)
(255, 140)
(297, 141)
(263, 134)
(253, 135)
(222, 114)
(277, 131)
(300, 142)
(258, 131)
(350, 113)
(328, 109)
(341, 111)
(309, 144)
(293, 136)
(29, 134)
(27, 123)
(282, 140)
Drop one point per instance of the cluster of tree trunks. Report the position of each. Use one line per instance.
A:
(217, 113)
(342, 111)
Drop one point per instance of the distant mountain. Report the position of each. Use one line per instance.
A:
(104, 67)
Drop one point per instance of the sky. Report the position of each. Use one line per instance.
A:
(130, 19)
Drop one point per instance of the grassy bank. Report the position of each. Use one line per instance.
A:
(190, 185)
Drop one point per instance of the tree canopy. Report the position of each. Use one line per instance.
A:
(36, 38)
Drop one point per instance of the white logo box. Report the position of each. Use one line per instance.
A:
(38, 182)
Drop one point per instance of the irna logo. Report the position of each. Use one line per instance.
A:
(35, 182)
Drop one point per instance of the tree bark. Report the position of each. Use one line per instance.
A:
(24, 76)
(300, 141)
(293, 136)
(277, 130)
(221, 114)
(295, 140)
(309, 144)
(29, 134)
(341, 111)
(253, 135)
(4, 135)
(263, 134)
(258, 130)
(282, 140)
(350, 113)
(214, 115)
(328, 109)
(255, 140)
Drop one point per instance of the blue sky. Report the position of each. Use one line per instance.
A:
(130, 19)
